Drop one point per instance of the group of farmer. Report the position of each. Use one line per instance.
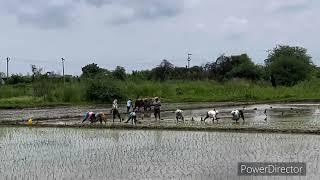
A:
(132, 111)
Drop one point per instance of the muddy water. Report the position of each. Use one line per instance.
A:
(274, 116)
(301, 117)
(50, 153)
(58, 112)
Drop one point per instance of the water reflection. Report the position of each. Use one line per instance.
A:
(39, 153)
(157, 137)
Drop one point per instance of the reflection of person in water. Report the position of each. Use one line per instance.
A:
(157, 138)
(115, 135)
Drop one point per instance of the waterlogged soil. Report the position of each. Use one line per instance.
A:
(291, 118)
(69, 112)
(68, 153)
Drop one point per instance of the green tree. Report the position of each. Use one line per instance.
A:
(119, 73)
(228, 67)
(140, 75)
(221, 67)
(317, 72)
(163, 71)
(103, 91)
(243, 67)
(18, 78)
(289, 65)
(93, 70)
(2, 75)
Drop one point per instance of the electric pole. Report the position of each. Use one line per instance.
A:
(8, 59)
(189, 59)
(62, 60)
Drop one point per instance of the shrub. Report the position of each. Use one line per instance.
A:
(103, 91)
(289, 65)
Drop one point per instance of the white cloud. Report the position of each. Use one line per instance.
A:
(146, 31)
(43, 14)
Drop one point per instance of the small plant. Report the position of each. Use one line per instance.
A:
(179, 91)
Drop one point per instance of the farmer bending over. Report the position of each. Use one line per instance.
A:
(132, 117)
(89, 116)
(92, 117)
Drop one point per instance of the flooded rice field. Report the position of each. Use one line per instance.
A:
(69, 153)
(299, 117)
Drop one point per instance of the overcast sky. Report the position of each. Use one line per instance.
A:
(138, 34)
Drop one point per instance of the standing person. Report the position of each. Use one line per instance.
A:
(115, 111)
(156, 107)
(129, 105)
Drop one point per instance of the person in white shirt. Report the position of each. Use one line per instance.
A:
(237, 114)
(179, 114)
(115, 111)
(212, 114)
(132, 117)
(129, 105)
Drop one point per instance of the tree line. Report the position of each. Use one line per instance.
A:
(285, 65)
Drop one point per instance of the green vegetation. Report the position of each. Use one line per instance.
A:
(229, 78)
(289, 65)
(169, 91)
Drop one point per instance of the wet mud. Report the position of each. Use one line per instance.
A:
(285, 118)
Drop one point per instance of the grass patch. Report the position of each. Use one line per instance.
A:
(27, 102)
(18, 96)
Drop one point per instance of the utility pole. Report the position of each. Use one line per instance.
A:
(189, 59)
(62, 60)
(8, 59)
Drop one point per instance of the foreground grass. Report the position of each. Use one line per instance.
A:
(21, 96)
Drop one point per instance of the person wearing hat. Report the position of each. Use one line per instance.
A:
(156, 107)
